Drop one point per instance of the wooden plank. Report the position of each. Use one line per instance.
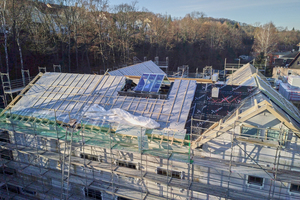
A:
(183, 100)
(69, 93)
(172, 79)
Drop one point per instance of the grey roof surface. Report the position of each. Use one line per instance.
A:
(65, 96)
(242, 76)
(137, 69)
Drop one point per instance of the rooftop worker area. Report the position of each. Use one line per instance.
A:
(149, 136)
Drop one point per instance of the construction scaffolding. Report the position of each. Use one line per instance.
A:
(87, 161)
(12, 87)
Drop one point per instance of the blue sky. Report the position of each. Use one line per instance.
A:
(283, 13)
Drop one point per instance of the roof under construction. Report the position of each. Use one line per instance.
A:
(62, 97)
(137, 69)
(64, 138)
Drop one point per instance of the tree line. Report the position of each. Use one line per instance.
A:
(89, 36)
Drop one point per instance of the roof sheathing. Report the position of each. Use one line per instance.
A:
(241, 75)
(60, 96)
(244, 76)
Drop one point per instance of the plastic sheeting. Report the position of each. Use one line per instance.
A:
(120, 116)
(137, 69)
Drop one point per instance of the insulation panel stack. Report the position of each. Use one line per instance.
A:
(291, 93)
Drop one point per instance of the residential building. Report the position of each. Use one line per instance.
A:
(75, 136)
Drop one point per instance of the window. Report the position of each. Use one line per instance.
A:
(27, 191)
(11, 188)
(295, 188)
(141, 83)
(96, 194)
(171, 173)
(90, 157)
(254, 180)
(4, 137)
(128, 164)
(250, 132)
(6, 154)
(123, 198)
(7, 171)
(274, 135)
(151, 83)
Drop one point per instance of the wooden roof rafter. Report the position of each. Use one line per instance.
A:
(219, 128)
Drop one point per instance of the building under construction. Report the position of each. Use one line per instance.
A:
(124, 136)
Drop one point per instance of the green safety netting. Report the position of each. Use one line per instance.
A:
(91, 135)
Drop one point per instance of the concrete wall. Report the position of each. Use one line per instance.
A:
(284, 71)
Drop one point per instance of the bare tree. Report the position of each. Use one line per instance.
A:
(4, 27)
(265, 40)
(125, 18)
(101, 24)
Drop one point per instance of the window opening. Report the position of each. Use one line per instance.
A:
(250, 132)
(295, 188)
(26, 191)
(11, 188)
(142, 82)
(6, 154)
(90, 157)
(254, 180)
(122, 198)
(123, 163)
(4, 137)
(273, 134)
(158, 81)
(7, 171)
(151, 83)
(171, 173)
(96, 194)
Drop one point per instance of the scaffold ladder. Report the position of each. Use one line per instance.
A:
(66, 159)
(6, 86)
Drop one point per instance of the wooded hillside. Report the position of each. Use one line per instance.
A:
(87, 37)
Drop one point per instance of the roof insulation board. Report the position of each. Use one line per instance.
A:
(66, 96)
(137, 69)
(289, 92)
(242, 75)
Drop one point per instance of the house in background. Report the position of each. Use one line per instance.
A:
(292, 68)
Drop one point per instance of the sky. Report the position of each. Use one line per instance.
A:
(283, 13)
